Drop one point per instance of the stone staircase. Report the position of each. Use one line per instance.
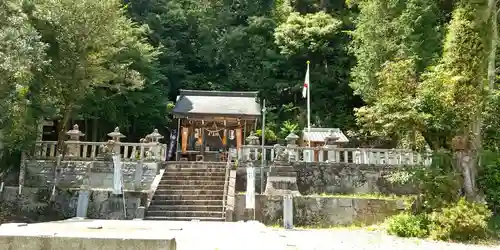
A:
(189, 191)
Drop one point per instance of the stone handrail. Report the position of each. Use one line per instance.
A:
(226, 179)
(231, 190)
(82, 150)
(342, 155)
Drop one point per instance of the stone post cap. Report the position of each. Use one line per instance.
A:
(75, 132)
(116, 134)
(252, 139)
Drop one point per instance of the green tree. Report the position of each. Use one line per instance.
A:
(21, 54)
(92, 45)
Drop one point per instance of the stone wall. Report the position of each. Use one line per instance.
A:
(319, 211)
(100, 174)
(35, 205)
(339, 178)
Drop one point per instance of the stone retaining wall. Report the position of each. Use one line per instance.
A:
(34, 204)
(100, 174)
(320, 211)
(339, 178)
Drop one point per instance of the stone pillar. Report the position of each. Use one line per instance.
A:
(288, 211)
(83, 198)
(249, 163)
(116, 136)
(291, 146)
(74, 138)
(330, 146)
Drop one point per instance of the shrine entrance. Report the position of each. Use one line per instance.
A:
(209, 136)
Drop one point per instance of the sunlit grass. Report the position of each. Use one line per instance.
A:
(377, 196)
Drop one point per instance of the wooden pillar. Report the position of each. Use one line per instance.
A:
(177, 146)
(245, 129)
(239, 138)
(224, 137)
(203, 139)
(184, 140)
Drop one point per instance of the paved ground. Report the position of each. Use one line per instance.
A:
(237, 235)
(340, 239)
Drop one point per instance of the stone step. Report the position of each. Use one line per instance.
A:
(190, 192)
(193, 178)
(196, 165)
(201, 169)
(187, 202)
(197, 173)
(181, 197)
(217, 214)
(184, 218)
(203, 182)
(191, 187)
(185, 208)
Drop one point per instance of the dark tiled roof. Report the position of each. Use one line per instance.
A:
(201, 102)
(319, 134)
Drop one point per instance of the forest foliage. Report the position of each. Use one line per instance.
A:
(409, 73)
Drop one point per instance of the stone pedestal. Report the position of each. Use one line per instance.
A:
(282, 180)
(282, 177)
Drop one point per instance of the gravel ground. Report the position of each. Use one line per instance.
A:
(343, 239)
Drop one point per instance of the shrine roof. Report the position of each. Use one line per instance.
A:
(205, 103)
(319, 134)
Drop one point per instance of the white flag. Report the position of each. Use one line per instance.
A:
(306, 82)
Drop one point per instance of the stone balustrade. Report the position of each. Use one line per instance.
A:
(330, 153)
(148, 148)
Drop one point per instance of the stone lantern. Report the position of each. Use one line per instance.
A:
(74, 137)
(116, 136)
(155, 137)
(330, 145)
(291, 140)
(331, 138)
(252, 141)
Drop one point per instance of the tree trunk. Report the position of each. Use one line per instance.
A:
(467, 164)
(94, 129)
(469, 161)
(63, 125)
(492, 9)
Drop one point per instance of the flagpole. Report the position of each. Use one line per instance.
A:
(308, 108)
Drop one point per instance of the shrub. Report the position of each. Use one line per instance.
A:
(408, 225)
(489, 178)
(463, 221)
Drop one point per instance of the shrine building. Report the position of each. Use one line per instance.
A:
(214, 124)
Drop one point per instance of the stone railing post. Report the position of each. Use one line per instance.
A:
(291, 146)
(330, 146)
(116, 136)
(73, 145)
